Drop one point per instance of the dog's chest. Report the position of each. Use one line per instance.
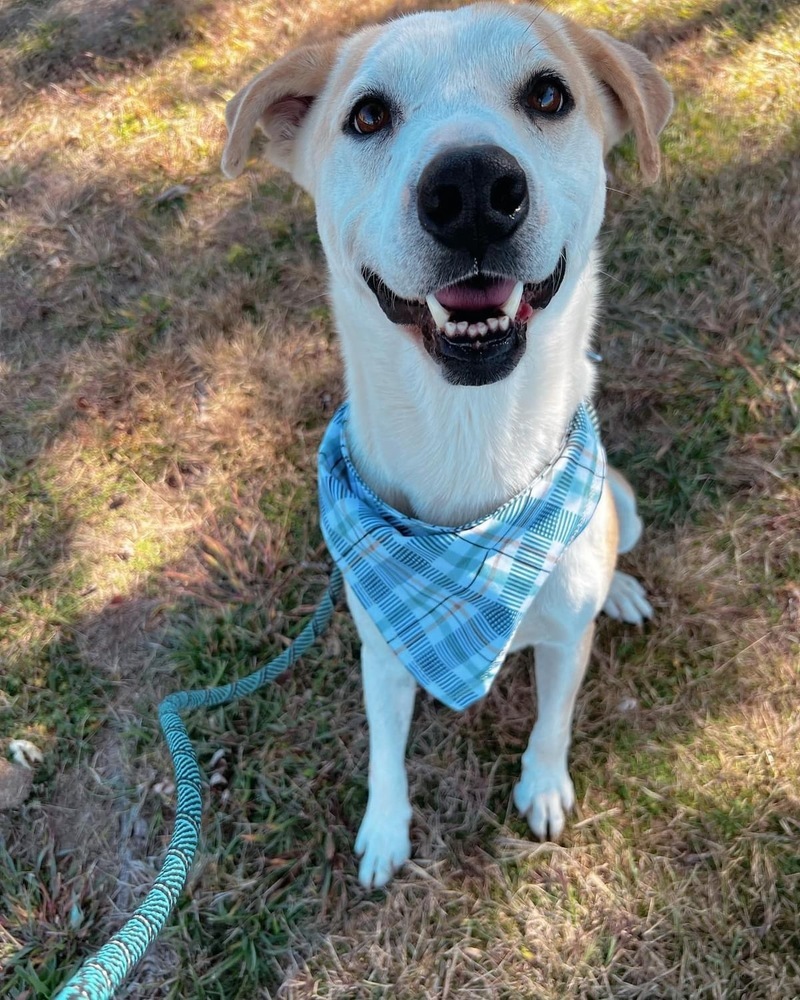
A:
(448, 601)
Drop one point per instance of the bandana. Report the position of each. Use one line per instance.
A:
(448, 601)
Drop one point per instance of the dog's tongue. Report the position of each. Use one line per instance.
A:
(468, 297)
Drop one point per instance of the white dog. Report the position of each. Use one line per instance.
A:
(457, 164)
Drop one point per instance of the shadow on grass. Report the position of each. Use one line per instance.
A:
(741, 21)
(55, 41)
(697, 336)
(275, 874)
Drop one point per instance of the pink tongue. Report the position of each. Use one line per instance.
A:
(463, 297)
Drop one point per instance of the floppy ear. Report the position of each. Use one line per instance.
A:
(277, 100)
(639, 98)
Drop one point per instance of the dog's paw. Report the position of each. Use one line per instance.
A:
(383, 845)
(627, 600)
(544, 796)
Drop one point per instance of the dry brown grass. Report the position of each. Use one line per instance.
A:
(167, 365)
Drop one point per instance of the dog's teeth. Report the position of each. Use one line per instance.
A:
(450, 329)
(462, 326)
(483, 329)
(504, 323)
(492, 323)
(438, 311)
(472, 330)
(511, 305)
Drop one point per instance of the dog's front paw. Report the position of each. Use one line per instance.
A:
(383, 845)
(627, 600)
(544, 795)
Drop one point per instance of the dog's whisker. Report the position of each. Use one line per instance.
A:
(544, 38)
(611, 277)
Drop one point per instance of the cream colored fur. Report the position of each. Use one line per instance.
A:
(450, 453)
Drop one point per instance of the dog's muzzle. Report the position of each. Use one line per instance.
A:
(477, 328)
(471, 200)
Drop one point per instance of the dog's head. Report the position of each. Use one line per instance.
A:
(456, 160)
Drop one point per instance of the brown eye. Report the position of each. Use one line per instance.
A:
(546, 96)
(370, 115)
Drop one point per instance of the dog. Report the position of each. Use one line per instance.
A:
(457, 163)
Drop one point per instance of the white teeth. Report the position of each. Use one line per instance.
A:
(511, 305)
(438, 311)
(477, 330)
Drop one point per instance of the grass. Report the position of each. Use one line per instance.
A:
(167, 366)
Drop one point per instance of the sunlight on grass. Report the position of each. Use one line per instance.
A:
(622, 18)
(762, 78)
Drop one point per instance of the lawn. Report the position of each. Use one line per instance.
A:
(167, 366)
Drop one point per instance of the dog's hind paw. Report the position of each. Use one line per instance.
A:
(627, 600)
(383, 845)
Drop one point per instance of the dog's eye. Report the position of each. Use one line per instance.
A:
(370, 115)
(546, 95)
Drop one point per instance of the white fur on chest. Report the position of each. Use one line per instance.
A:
(449, 454)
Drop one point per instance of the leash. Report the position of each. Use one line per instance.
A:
(99, 976)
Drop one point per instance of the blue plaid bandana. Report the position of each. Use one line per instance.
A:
(448, 601)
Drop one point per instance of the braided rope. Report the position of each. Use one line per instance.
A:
(99, 976)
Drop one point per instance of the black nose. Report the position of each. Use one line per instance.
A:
(471, 197)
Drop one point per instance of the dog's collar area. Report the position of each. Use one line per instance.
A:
(476, 329)
(585, 412)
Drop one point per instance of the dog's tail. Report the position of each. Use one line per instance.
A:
(630, 524)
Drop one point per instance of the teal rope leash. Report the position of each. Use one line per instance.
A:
(99, 976)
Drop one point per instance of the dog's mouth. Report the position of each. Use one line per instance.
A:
(476, 329)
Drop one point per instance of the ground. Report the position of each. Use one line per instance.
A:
(167, 365)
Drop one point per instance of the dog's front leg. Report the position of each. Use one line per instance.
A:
(544, 793)
(389, 689)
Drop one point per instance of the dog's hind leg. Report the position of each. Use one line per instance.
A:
(630, 524)
(627, 599)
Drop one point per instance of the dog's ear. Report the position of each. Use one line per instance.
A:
(277, 100)
(638, 97)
